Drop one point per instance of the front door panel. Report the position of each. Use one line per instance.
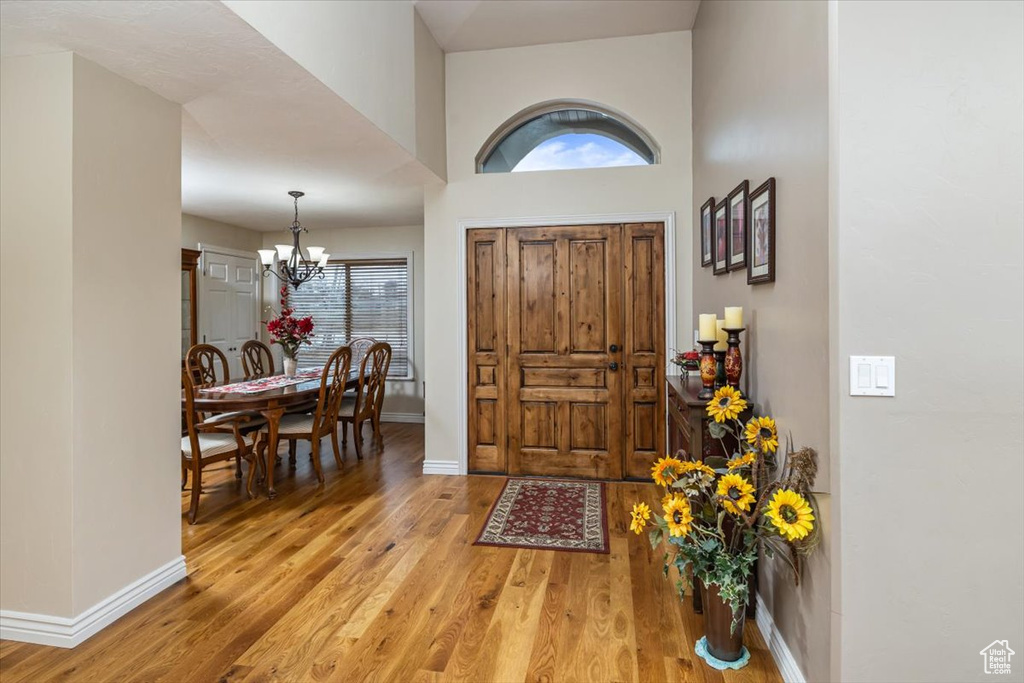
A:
(565, 403)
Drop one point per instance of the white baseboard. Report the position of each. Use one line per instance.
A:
(43, 629)
(441, 467)
(415, 418)
(788, 667)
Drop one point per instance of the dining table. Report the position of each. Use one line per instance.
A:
(271, 396)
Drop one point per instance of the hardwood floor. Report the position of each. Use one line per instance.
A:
(374, 576)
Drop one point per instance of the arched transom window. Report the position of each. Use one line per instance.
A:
(563, 135)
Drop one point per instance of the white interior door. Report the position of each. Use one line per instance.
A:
(230, 304)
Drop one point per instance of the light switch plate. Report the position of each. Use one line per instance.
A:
(872, 375)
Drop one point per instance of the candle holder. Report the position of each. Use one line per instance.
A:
(720, 378)
(708, 368)
(733, 357)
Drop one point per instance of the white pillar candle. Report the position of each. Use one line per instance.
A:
(721, 335)
(733, 317)
(707, 327)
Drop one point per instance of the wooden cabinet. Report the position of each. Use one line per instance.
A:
(688, 420)
(688, 431)
(189, 272)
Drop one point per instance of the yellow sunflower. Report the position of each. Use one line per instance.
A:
(742, 461)
(726, 405)
(678, 516)
(791, 514)
(693, 466)
(641, 513)
(761, 432)
(735, 493)
(665, 466)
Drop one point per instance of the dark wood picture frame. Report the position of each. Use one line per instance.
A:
(738, 226)
(720, 238)
(707, 221)
(761, 234)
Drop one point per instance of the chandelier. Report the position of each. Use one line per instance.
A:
(291, 266)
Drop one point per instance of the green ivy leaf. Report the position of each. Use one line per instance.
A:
(716, 462)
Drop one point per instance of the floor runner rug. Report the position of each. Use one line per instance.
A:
(548, 514)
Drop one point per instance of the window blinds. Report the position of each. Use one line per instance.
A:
(357, 298)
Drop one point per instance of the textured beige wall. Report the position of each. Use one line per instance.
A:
(196, 230)
(403, 396)
(928, 157)
(35, 334)
(760, 109)
(90, 392)
(645, 77)
(127, 197)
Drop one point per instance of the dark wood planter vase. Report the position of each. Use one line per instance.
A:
(721, 641)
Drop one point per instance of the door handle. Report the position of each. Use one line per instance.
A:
(613, 348)
(613, 366)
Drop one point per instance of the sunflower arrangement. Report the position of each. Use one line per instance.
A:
(716, 514)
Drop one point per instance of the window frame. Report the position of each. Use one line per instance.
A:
(513, 123)
(409, 256)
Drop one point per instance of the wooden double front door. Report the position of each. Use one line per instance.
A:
(566, 350)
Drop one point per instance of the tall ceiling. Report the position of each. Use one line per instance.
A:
(255, 124)
(464, 25)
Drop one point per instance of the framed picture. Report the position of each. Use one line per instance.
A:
(720, 233)
(738, 221)
(706, 218)
(761, 244)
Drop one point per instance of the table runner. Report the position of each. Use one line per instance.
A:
(254, 386)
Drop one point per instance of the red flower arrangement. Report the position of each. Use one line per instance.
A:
(287, 330)
(687, 360)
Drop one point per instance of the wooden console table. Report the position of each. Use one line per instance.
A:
(688, 431)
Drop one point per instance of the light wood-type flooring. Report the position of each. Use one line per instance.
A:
(374, 577)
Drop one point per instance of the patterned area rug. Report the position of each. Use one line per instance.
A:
(548, 514)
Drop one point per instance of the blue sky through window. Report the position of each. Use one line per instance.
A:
(578, 151)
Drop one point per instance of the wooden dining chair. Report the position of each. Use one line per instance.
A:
(207, 442)
(257, 360)
(369, 394)
(379, 402)
(323, 420)
(359, 346)
(202, 360)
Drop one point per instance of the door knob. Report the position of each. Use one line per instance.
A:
(613, 348)
(613, 366)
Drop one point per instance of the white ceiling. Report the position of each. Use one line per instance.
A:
(463, 25)
(254, 123)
